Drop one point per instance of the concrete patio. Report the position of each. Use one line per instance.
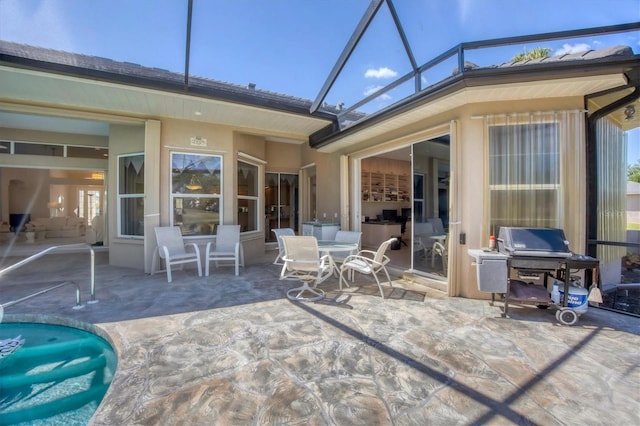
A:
(235, 351)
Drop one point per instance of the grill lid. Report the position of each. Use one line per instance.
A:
(549, 242)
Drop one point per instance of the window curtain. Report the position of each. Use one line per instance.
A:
(535, 163)
(611, 149)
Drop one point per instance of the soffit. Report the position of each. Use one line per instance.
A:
(19, 85)
(618, 116)
(548, 89)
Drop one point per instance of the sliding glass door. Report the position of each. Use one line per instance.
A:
(281, 203)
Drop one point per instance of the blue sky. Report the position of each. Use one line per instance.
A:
(290, 46)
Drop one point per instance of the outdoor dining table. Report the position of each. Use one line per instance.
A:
(330, 246)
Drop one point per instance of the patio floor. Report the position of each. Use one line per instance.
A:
(235, 351)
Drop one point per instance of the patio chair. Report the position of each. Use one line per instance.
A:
(302, 262)
(368, 262)
(227, 247)
(421, 233)
(346, 237)
(440, 249)
(438, 227)
(280, 232)
(172, 250)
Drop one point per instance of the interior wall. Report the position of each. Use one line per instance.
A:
(386, 166)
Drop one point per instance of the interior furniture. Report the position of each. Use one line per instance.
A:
(302, 262)
(368, 262)
(375, 233)
(320, 230)
(61, 227)
(5, 231)
(227, 247)
(18, 220)
(172, 250)
(95, 232)
(280, 232)
(380, 187)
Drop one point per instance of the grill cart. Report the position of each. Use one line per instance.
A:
(534, 254)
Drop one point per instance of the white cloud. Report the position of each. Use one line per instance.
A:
(372, 89)
(570, 49)
(382, 72)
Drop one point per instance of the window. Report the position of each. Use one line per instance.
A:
(248, 196)
(53, 150)
(196, 193)
(524, 179)
(131, 195)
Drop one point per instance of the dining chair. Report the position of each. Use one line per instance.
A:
(280, 232)
(368, 262)
(227, 247)
(172, 250)
(440, 249)
(421, 233)
(302, 262)
(346, 237)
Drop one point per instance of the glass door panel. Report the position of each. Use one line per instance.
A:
(281, 203)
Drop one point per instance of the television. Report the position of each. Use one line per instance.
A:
(389, 215)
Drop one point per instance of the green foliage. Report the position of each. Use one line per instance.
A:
(536, 53)
(633, 172)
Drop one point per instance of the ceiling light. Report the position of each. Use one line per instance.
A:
(629, 112)
(197, 113)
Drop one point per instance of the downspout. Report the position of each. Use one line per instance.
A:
(592, 166)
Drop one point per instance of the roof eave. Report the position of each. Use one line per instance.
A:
(478, 77)
(173, 86)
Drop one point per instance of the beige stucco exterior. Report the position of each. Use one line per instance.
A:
(336, 167)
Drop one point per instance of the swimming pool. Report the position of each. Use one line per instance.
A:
(59, 376)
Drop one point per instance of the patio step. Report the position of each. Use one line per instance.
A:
(432, 288)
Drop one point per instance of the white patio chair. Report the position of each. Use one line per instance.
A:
(280, 232)
(440, 249)
(227, 247)
(421, 243)
(302, 262)
(346, 237)
(368, 262)
(172, 250)
(438, 227)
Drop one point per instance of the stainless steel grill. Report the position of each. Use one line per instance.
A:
(537, 242)
(540, 253)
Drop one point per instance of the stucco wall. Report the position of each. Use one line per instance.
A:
(127, 252)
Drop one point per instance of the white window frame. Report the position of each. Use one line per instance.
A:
(174, 195)
(121, 197)
(257, 198)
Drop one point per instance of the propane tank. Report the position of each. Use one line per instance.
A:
(578, 297)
